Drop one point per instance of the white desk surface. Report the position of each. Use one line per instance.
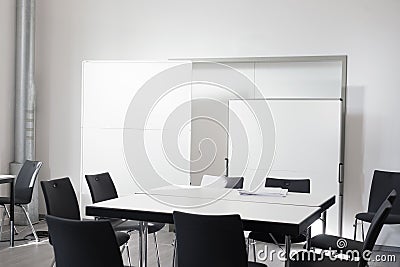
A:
(6, 177)
(3, 176)
(299, 199)
(253, 211)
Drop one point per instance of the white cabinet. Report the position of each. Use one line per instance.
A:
(136, 124)
(156, 123)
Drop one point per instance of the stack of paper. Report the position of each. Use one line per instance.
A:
(266, 191)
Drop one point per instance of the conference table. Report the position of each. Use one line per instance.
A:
(9, 179)
(296, 199)
(291, 215)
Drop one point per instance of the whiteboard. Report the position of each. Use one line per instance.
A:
(307, 144)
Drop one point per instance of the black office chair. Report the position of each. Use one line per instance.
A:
(383, 182)
(61, 202)
(293, 185)
(216, 182)
(302, 259)
(326, 242)
(23, 192)
(78, 243)
(204, 240)
(102, 188)
(234, 182)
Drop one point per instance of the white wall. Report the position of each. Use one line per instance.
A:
(367, 31)
(7, 41)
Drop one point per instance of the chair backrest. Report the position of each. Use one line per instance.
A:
(26, 180)
(60, 198)
(383, 182)
(222, 182)
(101, 187)
(376, 225)
(234, 182)
(83, 243)
(204, 240)
(292, 185)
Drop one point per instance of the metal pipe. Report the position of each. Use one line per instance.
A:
(24, 117)
(30, 88)
(24, 81)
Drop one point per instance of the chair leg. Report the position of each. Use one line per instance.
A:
(355, 229)
(362, 230)
(157, 252)
(275, 241)
(125, 246)
(254, 250)
(9, 216)
(128, 254)
(174, 254)
(30, 223)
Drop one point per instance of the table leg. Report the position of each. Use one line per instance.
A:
(323, 222)
(143, 244)
(145, 235)
(12, 203)
(140, 244)
(308, 238)
(288, 244)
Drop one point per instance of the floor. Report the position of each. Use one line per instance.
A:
(32, 254)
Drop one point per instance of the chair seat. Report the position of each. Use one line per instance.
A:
(155, 227)
(129, 225)
(114, 221)
(368, 216)
(122, 238)
(7, 200)
(303, 261)
(330, 242)
(255, 264)
(280, 238)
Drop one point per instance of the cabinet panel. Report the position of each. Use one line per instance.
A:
(298, 79)
(109, 88)
(214, 85)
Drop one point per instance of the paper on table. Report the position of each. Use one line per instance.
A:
(266, 191)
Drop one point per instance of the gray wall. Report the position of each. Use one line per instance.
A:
(7, 41)
(71, 31)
